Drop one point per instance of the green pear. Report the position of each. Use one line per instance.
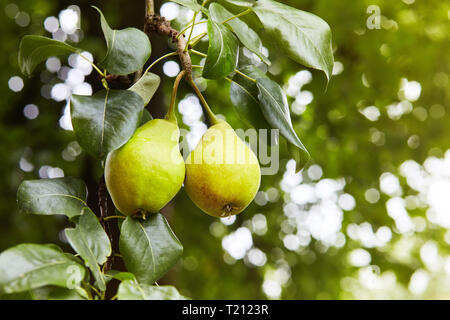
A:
(147, 172)
(222, 172)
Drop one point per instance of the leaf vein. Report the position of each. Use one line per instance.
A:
(103, 121)
(151, 248)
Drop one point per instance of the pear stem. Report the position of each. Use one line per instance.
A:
(209, 114)
(171, 113)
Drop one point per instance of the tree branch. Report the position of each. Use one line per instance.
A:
(103, 206)
(149, 8)
(149, 12)
(161, 26)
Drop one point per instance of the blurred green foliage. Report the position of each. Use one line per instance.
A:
(413, 43)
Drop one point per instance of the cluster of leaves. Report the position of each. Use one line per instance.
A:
(106, 121)
(260, 101)
(149, 248)
(102, 123)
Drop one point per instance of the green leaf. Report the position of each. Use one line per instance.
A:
(26, 295)
(276, 111)
(121, 276)
(246, 35)
(47, 293)
(149, 247)
(222, 51)
(65, 196)
(298, 155)
(244, 96)
(146, 86)
(305, 37)
(241, 3)
(132, 290)
(191, 4)
(128, 49)
(56, 293)
(106, 120)
(35, 49)
(29, 266)
(90, 240)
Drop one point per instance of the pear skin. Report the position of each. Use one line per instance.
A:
(147, 172)
(222, 172)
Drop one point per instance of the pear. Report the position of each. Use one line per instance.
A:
(222, 172)
(147, 172)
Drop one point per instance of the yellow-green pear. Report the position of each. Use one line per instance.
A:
(147, 172)
(222, 172)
